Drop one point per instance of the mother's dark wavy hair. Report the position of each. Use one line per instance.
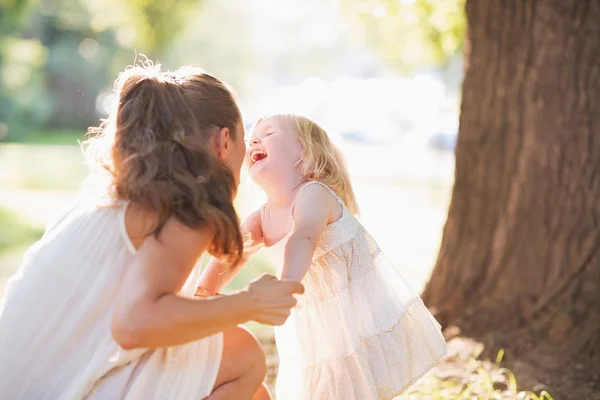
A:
(156, 147)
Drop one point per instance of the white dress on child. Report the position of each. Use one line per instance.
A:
(55, 335)
(359, 332)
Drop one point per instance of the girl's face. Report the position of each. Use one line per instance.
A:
(273, 150)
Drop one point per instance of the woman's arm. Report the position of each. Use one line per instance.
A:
(149, 313)
(217, 274)
(314, 209)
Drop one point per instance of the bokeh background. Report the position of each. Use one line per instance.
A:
(383, 76)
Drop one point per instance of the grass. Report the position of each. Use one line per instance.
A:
(64, 137)
(16, 232)
(40, 167)
(477, 379)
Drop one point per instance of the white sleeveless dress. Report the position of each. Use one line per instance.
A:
(55, 337)
(359, 331)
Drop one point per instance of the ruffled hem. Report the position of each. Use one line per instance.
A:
(382, 366)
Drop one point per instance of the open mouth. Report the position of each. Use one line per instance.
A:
(256, 156)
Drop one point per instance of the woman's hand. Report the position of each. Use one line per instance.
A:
(273, 299)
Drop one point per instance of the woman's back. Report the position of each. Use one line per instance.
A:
(76, 266)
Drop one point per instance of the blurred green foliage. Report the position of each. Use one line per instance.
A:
(58, 57)
(409, 34)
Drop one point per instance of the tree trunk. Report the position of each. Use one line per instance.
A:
(519, 261)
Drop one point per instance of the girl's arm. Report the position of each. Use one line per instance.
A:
(314, 209)
(149, 312)
(216, 275)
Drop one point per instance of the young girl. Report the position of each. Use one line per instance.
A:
(103, 306)
(359, 331)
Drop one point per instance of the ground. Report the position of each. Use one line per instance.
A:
(403, 191)
(459, 376)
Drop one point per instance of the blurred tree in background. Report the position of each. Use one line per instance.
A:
(58, 58)
(21, 60)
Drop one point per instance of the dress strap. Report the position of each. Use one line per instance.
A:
(262, 219)
(330, 190)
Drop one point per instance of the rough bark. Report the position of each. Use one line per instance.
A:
(519, 259)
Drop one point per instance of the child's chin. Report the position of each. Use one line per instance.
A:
(256, 173)
(262, 176)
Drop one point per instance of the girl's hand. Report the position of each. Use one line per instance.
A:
(273, 299)
(204, 293)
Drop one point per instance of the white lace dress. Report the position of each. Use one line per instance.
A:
(55, 338)
(359, 331)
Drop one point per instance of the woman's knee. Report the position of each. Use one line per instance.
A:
(242, 355)
(250, 351)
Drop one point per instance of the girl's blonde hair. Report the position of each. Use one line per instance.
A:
(322, 161)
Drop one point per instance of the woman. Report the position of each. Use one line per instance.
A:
(103, 306)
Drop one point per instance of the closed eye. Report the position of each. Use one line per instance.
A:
(250, 139)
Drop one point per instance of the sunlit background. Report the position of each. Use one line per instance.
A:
(382, 76)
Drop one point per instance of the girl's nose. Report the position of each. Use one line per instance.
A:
(253, 141)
